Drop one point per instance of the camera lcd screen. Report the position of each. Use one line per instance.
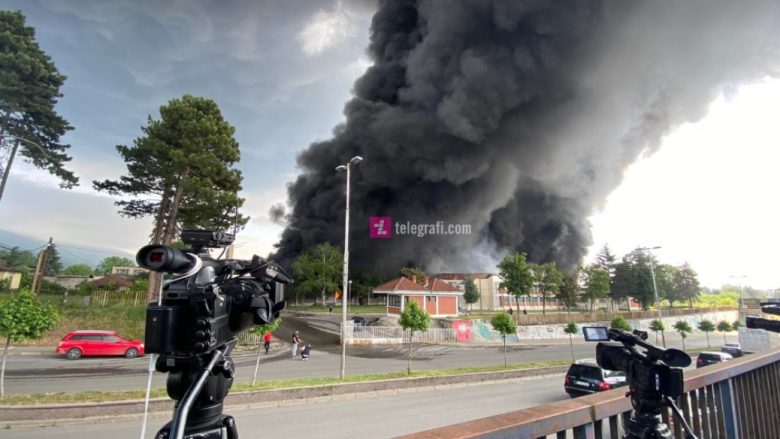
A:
(595, 333)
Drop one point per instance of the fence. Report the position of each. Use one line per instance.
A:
(389, 335)
(104, 298)
(559, 317)
(732, 400)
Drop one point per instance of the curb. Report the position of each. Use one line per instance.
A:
(68, 414)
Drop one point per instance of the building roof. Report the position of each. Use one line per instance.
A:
(463, 276)
(402, 285)
(112, 279)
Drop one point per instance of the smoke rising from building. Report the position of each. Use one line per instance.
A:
(518, 118)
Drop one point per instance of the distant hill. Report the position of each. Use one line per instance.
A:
(69, 253)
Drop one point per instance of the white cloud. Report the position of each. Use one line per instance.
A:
(709, 195)
(326, 29)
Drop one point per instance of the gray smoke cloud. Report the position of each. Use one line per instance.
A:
(277, 214)
(517, 118)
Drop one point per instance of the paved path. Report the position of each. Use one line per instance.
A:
(382, 416)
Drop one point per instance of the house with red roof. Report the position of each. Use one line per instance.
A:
(436, 297)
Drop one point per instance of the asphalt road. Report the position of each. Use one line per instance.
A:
(46, 372)
(371, 416)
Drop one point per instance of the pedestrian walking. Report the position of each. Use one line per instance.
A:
(267, 341)
(296, 339)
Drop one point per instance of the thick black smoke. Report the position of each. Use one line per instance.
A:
(516, 117)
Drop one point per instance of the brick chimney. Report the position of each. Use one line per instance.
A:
(414, 278)
(427, 282)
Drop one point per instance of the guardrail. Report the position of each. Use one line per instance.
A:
(103, 298)
(739, 399)
(395, 334)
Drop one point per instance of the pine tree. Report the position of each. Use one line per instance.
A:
(29, 90)
(180, 172)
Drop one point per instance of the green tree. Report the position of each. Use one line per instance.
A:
(318, 270)
(657, 326)
(665, 276)
(18, 259)
(724, 327)
(53, 262)
(78, 270)
(23, 317)
(517, 275)
(505, 325)
(548, 279)
(633, 278)
(620, 323)
(29, 90)
(414, 273)
(180, 172)
(363, 283)
(596, 281)
(683, 328)
(569, 291)
(104, 267)
(706, 326)
(413, 319)
(735, 326)
(686, 284)
(606, 260)
(470, 293)
(571, 329)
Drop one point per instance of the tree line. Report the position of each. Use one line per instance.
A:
(637, 275)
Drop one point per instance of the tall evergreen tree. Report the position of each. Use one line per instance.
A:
(29, 90)
(184, 163)
(53, 262)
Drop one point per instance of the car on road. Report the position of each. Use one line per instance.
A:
(733, 349)
(707, 358)
(585, 377)
(358, 321)
(94, 343)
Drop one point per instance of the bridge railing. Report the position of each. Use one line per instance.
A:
(738, 399)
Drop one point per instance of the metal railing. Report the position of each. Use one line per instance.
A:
(739, 399)
(104, 298)
(390, 334)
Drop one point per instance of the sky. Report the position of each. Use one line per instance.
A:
(281, 73)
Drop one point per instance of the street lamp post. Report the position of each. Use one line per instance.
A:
(655, 288)
(345, 283)
(740, 309)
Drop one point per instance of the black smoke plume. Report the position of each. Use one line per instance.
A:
(516, 117)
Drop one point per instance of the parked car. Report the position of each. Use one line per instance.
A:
(358, 321)
(733, 349)
(98, 343)
(585, 377)
(707, 358)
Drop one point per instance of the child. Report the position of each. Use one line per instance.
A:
(305, 352)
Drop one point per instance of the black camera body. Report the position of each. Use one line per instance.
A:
(654, 377)
(194, 325)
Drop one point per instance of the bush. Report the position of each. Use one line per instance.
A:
(620, 323)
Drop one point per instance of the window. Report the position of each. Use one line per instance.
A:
(393, 300)
(110, 338)
(76, 338)
(93, 338)
(430, 299)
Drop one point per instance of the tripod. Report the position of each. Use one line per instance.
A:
(199, 385)
(646, 421)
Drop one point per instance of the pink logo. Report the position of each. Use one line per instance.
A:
(379, 227)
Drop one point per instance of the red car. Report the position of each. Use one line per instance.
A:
(98, 343)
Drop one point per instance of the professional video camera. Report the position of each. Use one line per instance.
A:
(754, 322)
(194, 327)
(653, 376)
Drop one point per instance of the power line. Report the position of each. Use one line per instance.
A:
(116, 253)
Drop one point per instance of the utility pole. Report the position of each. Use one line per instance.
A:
(40, 266)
